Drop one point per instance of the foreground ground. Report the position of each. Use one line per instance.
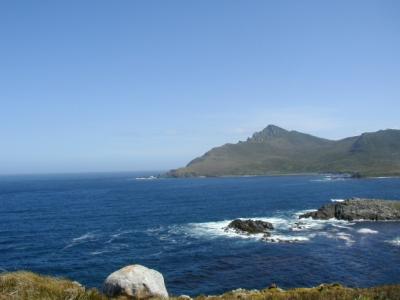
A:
(27, 285)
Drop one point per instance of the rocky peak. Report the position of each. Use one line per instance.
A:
(271, 131)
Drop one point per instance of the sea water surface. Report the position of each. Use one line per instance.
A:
(86, 226)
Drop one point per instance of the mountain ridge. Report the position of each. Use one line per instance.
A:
(277, 151)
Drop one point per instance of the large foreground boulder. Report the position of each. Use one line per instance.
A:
(358, 209)
(137, 282)
(250, 226)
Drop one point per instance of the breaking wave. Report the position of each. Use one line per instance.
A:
(395, 242)
(367, 231)
(103, 242)
(288, 228)
(337, 200)
(87, 237)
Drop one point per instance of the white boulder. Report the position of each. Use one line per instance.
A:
(135, 281)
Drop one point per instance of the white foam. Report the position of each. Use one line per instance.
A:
(109, 249)
(306, 225)
(337, 200)
(297, 224)
(98, 252)
(342, 236)
(329, 235)
(219, 227)
(287, 228)
(367, 231)
(322, 180)
(329, 179)
(216, 229)
(86, 236)
(345, 237)
(312, 224)
(395, 242)
(146, 178)
(343, 226)
(116, 235)
(119, 233)
(301, 212)
(281, 233)
(277, 238)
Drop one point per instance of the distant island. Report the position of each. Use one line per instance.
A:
(276, 151)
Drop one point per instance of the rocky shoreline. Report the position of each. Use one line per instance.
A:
(358, 209)
(353, 209)
(140, 282)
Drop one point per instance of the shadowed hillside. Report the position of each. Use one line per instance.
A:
(278, 151)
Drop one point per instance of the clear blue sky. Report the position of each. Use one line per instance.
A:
(145, 85)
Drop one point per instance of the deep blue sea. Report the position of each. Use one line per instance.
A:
(86, 226)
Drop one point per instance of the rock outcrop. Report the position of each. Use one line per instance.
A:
(358, 209)
(137, 282)
(250, 226)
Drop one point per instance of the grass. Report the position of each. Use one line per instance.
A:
(27, 285)
(322, 292)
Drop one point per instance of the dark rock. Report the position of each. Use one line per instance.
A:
(250, 226)
(299, 226)
(266, 235)
(356, 175)
(324, 213)
(358, 209)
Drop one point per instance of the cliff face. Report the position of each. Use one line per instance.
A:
(275, 150)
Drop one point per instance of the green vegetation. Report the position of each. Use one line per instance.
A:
(322, 292)
(27, 285)
(276, 151)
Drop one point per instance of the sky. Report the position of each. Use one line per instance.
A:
(90, 86)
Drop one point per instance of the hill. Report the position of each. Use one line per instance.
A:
(276, 151)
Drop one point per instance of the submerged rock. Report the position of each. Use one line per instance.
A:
(357, 209)
(250, 226)
(275, 239)
(299, 226)
(135, 281)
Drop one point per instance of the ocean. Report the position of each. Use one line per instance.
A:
(85, 226)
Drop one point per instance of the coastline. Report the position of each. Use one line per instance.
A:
(338, 175)
(343, 238)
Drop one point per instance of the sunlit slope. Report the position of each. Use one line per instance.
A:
(277, 151)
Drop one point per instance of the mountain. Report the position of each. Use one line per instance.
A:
(275, 150)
